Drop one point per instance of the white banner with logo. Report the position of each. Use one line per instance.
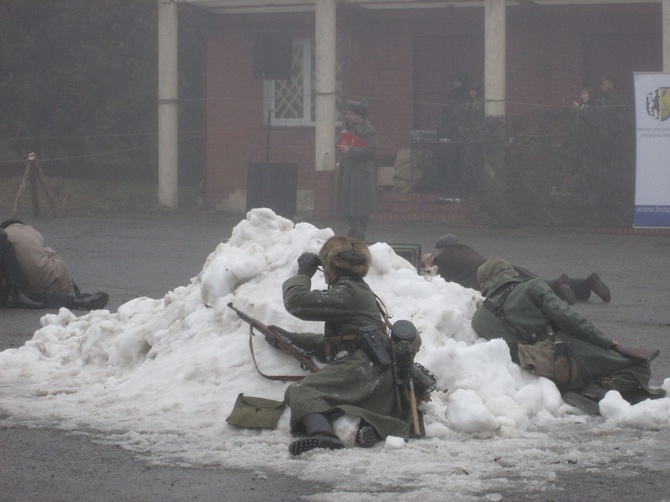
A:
(652, 119)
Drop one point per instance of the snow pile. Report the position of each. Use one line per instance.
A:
(160, 376)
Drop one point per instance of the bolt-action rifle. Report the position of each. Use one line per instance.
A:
(282, 342)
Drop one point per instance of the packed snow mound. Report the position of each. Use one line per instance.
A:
(162, 375)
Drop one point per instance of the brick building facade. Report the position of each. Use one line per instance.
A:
(402, 61)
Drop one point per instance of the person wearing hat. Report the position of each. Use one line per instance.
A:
(457, 262)
(525, 311)
(356, 177)
(351, 383)
(47, 282)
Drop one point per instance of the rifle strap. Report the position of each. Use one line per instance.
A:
(283, 378)
(497, 309)
(384, 312)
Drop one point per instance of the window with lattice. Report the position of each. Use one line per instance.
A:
(292, 102)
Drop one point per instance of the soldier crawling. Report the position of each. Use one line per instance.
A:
(352, 382)
(528, 315)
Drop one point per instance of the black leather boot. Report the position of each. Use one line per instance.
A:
(319, 435)
(87, 301)
(564, 291)
(595, 284)
(594, 391)
(18, 300)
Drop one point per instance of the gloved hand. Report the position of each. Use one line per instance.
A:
(280, 331)
(308, 263)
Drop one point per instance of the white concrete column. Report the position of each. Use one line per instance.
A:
(666, 35)
(325, 85)
(494, 57)
(168, 134)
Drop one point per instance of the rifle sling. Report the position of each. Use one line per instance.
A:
(283, 378)
(497, 309)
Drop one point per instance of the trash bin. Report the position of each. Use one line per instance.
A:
(273, 185)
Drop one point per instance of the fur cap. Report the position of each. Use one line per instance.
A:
(345, 256)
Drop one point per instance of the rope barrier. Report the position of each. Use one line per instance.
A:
(88, 155)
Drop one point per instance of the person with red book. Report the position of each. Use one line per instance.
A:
(356, 178)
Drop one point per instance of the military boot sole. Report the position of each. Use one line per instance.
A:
(324, 441)
(367, 437)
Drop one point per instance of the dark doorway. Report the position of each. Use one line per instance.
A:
(619, 55)
(436, 61)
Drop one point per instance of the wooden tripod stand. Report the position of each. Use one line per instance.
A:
(35, 176)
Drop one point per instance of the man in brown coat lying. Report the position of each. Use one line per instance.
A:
(456, 262)
(35, 275)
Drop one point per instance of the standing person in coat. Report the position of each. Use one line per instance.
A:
(356, 178)
(351, 383)
(47, 276)
(583, 147)
(457, 262)
(526, 311)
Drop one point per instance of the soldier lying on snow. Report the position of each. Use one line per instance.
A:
(549, 338)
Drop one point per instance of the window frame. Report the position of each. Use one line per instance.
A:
(269, 92)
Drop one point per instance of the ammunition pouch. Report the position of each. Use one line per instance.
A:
(565, 366)
(338, 347)
(538, 358)
(550, 359)
(375, 344)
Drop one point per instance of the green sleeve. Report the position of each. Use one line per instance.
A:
(569, 320)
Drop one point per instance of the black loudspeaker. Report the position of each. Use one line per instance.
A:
(273, 185)
(272, 55)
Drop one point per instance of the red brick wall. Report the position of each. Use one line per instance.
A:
(546, 60)
(236, 134)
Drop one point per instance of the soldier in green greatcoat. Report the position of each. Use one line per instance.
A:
(351, 383)
(527, 311)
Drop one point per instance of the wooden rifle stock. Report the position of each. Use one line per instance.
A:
(416, 425)
(638, 353)
(283, 343)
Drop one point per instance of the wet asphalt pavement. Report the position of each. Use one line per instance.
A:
(148, 254)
